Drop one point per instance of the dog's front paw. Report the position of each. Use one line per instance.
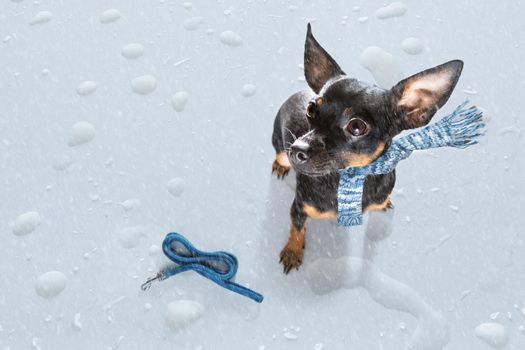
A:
(291, 258)
(280, 170)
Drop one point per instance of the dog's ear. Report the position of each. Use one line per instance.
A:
(319, 66)
(417, 98)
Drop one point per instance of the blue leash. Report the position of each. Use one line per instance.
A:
(219, 267)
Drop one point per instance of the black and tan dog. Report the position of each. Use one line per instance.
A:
(344, 123)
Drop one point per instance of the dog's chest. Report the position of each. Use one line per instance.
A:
(318, 191)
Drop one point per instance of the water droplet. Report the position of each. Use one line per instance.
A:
(395, 9)
(454, 208)
(77, 325)
(181, 313)
(82, 132)
(144, 84)
(132, 51)
(50, 284)
(176, 186)
(231, 38)
(179, 100)
(290, 336)
(26, 223)
(412, 46)
(87, 87)
(131, 204)
(493, 334)
(41, 17)
(382, 65)
(130, 237)
(110, 15)
(248, 90)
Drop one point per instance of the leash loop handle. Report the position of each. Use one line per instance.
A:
(219, 267)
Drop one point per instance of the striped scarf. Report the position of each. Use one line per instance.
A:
(459, 129)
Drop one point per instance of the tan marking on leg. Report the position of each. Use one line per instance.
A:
(292, 254)
(279, 167)
(282, 159)
(360, 159)
(387, 204)
(316, 214)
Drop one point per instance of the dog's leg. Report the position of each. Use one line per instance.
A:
(281, 165)
(293, 252)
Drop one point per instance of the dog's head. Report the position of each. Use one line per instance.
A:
(351, 122)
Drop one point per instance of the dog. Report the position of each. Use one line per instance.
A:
(343, 122)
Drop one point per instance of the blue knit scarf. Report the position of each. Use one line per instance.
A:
(459, 129)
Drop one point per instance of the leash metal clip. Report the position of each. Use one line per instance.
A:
(158, 277)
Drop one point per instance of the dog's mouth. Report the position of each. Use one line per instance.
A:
(322, 172)
(318, 165)
(331, 162)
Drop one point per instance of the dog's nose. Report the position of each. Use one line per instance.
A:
(300, 152)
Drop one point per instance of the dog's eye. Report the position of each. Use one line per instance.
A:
(311, 110)
(357, 127)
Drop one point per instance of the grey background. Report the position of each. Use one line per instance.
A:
(466, 263)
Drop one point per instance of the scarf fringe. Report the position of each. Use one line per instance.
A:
(463, 126)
